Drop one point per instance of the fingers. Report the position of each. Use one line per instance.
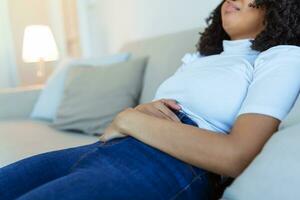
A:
(153, 112)
(111, 136)
(107, 132)
(171, 103)
(110, 133)
(161, 109)
(167, 112)
(103, 138)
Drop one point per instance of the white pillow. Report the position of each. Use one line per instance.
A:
(49, 100)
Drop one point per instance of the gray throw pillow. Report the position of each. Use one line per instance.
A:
(93, 96)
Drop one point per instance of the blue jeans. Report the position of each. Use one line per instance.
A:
(120, 169)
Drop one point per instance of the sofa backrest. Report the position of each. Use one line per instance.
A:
(165, 53)
(293, 117)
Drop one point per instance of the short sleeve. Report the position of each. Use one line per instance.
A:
(187, 59)
(276, 83)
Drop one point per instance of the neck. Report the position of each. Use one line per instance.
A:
(252, 35)
(238, 47)
(242, 37)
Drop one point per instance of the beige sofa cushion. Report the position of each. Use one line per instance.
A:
(17, 103)
(21, 139)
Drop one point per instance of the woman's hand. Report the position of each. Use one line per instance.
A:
(161, 109)
(111, 132)
(114, 130)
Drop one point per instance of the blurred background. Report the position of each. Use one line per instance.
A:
(82, 29)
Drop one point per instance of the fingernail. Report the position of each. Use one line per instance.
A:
(101, 139)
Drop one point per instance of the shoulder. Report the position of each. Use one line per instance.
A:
(286, 56)
(284, 52)
(191, 57)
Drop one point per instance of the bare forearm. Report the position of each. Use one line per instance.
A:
(199, 147)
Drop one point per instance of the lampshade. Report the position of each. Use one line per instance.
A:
(39, 44)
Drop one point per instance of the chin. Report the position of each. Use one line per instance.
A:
(231, 22)
(230, 28)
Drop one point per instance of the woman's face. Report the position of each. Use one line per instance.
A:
(240, 21)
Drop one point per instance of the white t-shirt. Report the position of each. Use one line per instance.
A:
(215, 90)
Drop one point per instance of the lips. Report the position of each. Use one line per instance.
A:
(231, 7)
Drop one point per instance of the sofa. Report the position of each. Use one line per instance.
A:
(21, 137)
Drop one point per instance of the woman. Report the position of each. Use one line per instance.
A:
(212, 117)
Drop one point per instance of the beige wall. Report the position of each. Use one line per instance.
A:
(70, 17)
(115, 22)
(29, 12)
(23, 13)
(107, 24)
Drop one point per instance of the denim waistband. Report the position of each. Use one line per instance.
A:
(184, 118)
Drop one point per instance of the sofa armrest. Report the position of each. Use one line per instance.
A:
(18, 103)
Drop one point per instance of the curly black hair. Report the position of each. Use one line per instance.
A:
(282, 20)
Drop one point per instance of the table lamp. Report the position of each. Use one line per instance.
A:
(39, 46)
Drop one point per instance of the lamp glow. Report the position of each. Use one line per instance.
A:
(39, 46)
